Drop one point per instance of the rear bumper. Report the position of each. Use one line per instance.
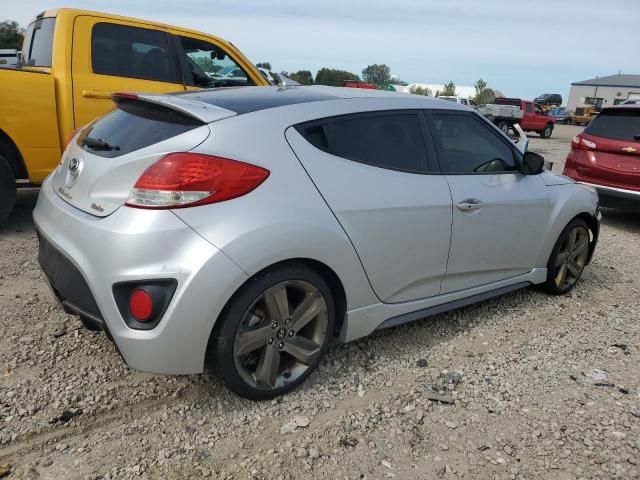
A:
(84, 256)
(614, 197)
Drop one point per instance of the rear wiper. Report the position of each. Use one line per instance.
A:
(97, 144)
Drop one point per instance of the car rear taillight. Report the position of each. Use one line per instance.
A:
(582, 143)
(186, 179)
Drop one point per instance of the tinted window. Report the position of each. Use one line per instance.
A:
(392, 141)
(135, 125)
(38, 43)
(528, 107)
(210, 66)
(620, 125)
(131, 52)
(468, 146)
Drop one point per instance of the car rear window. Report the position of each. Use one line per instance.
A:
(618, 125)
(134, 125)
(38, 43)
(387, 140)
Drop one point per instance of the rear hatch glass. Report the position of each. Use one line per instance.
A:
(132, 126)
(619, 124)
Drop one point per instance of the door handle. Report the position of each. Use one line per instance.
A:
(469, 205)
(96, 94)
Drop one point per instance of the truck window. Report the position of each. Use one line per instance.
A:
(207, 65)
(132, 52)
(38, 43)
(528, 107)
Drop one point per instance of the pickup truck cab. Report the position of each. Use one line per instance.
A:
(534, 118)
(71, 63)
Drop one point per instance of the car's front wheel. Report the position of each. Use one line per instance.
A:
(568, 258)
(547, 131)
(274, 332)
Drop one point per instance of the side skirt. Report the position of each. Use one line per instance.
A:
(445, 307)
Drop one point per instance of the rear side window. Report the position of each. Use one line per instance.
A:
(467, 146)
(619, 125)
(394, 141)
(132, 126)
(132, 52)
(38, 43)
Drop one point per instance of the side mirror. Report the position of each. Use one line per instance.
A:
(532, 163)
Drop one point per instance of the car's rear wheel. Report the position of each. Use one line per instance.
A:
(8, 191)
(568, 258)
(504, 126)
(274, 332)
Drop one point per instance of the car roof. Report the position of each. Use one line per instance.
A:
(243, 100)
(627, 106)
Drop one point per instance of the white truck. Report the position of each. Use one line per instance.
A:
(8, 57)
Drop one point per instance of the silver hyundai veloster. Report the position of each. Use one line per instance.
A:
(244, 228)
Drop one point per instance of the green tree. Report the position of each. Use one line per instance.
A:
(11, 35)
(303, 77)
(377, 74)
(449, 90)
(418, 90)
(479, 86)
(334, 77)
(266, 65)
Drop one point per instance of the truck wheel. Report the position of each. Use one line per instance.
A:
(546, 133)
(504, 127)
(8, 189)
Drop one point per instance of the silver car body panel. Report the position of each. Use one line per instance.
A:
(304, 210)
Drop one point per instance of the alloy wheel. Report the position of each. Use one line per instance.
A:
(571, 258)
(281, 335)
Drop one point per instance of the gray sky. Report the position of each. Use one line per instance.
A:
(521, 47)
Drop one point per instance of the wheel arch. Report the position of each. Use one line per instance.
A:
(12, 154)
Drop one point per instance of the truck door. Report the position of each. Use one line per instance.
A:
(117, 55)
(528, 123)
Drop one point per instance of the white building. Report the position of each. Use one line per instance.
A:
(604, 91)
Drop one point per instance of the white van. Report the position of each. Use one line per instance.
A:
(464, 101)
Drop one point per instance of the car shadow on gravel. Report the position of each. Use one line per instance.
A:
(621, 219)
(20, 219)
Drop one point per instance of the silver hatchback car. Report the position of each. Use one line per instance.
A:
(245, 228)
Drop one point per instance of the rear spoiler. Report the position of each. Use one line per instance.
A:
(201, 111)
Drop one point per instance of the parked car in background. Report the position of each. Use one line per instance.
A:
(73, 60)
(561, 115)
(508, 111)
(242, 227)
(8, 57)
(461, 100)
(359, 84)
(606, 155)
(549, 100)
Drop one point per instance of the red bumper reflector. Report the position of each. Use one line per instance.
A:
(141, 305)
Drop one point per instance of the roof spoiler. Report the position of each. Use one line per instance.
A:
(203, 112)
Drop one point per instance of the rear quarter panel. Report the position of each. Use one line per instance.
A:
(29, 118)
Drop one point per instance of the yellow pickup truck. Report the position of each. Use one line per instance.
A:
(71, 63)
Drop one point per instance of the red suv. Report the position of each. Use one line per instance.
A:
(607, 155)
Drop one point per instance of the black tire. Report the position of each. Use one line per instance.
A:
(223, 356)
(504, 127)
(547, 131)
(552, 285)
(8, 190)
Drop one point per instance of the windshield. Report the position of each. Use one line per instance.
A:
(619, 125)
(38, 43)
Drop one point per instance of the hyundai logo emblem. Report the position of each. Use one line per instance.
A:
(74, 165)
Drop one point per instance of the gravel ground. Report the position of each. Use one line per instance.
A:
(533, 387)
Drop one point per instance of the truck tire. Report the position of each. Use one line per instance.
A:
(504, 126)
(8, 190)
(548, 130)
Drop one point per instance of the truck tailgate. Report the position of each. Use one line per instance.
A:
(28, 116)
